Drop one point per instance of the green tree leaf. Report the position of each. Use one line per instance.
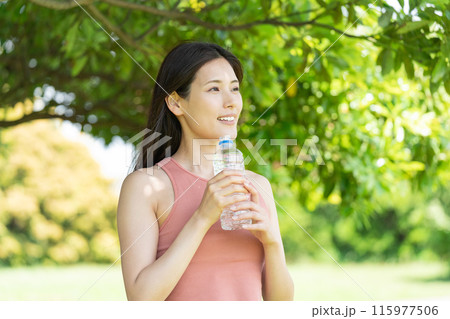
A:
(411, 166)
(79, 64)
(337, 15)
(447, 86)
(71, 38)
(398, 60)
(266, 5)
(413, 25)
(351, 14)
(329, 186)
(439, 70)
(409, 67)
(385, 18)
(433, 86)
(387, 61)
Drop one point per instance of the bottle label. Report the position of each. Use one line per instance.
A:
(231, 160)
(218, 163)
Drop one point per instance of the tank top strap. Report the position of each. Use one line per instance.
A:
(172, 172)
(180, 178)
(188, 190)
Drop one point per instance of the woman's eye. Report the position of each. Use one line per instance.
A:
(217, 89)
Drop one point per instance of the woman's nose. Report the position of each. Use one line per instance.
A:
(232, 99)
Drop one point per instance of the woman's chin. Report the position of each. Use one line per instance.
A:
(232, 133)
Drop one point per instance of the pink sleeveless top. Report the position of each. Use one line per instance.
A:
(227, 265)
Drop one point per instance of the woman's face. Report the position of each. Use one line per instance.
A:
(214, 94)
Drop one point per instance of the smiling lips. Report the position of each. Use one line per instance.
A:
(229, 119)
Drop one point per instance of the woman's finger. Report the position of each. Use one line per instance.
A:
(244, 205)
(250, 215)
(253, 191)
(227, 177)
(233, 189)
(257, 226)
(227, 172)
(234, 199)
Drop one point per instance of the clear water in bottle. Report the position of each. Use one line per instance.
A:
(228, 156)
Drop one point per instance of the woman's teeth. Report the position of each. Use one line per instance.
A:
(226, 119)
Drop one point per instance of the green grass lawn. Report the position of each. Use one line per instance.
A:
(321, 281)
(381, 281)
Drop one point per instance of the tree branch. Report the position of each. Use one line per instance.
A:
(122, 35)
(183, 16)
(34, 116)
(61, 5)
(215, 6)
(329, 27)
(127, 16)
(189, 17)
(173, 14)
(151, 29)
(120, 120)
(156, 25)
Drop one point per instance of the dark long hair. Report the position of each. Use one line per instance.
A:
(162, 135)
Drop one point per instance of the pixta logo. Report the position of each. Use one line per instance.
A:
(308, 153)
(144, 140)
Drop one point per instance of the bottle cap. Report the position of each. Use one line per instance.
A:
(225, 139)
(225, 142)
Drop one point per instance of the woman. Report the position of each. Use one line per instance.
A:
(172, 244)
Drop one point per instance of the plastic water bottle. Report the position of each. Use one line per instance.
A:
(228, 156)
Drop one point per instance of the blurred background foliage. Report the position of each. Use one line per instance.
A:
(367, 83)
(55, 206)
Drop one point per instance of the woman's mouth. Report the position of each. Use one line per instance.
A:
(227, 120)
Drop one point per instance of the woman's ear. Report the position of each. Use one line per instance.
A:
(172, 102)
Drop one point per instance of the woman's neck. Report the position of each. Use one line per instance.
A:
(197, 156)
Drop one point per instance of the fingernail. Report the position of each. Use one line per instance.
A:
(234, 217)
(232, 207)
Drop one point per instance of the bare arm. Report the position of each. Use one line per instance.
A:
(157, 280)
(277, 282)
(148, 278)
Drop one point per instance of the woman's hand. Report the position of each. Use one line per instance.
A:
(263, 227)
(217, 194)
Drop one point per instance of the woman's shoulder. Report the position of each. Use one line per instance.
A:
(259, 181)
(256, 175)
(146, 184)
(145, 175)
(152, 179)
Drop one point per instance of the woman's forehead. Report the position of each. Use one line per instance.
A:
(218, 69)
